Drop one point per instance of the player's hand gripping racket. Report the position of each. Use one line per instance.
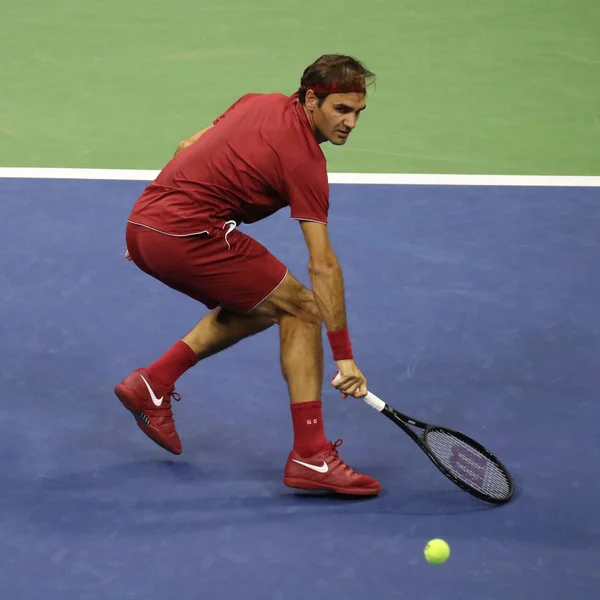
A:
(461, 459)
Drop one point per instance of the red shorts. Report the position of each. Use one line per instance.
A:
(218, 268)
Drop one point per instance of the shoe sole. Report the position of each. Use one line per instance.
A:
(305, 484)
(139, 416)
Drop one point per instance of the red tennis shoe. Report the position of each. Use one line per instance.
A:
(150, 404)
(327, 471)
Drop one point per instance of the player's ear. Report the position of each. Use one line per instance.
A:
(311, 102)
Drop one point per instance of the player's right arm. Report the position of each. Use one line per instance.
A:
(328, 289)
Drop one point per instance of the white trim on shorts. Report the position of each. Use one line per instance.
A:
(259, 303)
(169, 234)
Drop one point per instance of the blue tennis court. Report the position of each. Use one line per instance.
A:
(473, 307)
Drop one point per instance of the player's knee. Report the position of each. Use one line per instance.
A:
(299, 305)
(291, 299)
(306, 309)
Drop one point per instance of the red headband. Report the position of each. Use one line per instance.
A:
(336, 88)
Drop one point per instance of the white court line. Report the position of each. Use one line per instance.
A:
(335, 178)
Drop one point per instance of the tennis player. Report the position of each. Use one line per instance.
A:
(261, 155)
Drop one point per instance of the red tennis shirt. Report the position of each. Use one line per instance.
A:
(260, 156)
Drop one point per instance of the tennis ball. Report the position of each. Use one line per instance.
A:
(437, 552)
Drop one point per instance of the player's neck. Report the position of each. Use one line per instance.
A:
(319, 137)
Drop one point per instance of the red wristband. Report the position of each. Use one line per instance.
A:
(339, 341)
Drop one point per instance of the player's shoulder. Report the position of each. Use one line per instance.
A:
(270, 98)
(259, 100)
(266, 96)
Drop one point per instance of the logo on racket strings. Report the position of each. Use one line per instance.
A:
(467, 463)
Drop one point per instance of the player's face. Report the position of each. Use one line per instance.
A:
(335, 119)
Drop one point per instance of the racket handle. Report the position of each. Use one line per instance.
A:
(370, 398)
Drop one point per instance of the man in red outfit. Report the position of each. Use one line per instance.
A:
(262, 154)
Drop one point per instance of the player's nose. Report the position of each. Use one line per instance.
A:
(350, 121)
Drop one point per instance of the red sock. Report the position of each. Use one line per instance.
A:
(172, 364)
(309, 435)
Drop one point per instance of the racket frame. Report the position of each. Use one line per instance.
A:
(405, 422)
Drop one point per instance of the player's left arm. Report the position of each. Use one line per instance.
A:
(194, 138)
(189, 141)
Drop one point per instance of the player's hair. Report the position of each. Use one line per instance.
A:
(334, 73)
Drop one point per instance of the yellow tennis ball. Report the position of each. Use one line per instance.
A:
(437, 552)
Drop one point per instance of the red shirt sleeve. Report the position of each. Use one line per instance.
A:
(307, 192)
(235, 105)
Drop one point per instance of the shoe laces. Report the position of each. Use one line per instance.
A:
(334, 449)
(165, 409)
(336, 445)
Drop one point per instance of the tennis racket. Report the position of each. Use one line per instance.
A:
(461, 459)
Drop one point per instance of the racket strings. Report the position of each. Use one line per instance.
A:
(468, 463)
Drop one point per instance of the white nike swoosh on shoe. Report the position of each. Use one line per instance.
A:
(157, 401)
(323, 469)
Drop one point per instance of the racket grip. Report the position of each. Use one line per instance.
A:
(372, 400)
